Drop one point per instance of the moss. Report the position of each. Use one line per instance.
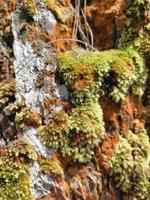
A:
(14, 172)
(54, 133)
(21, 115)
(75, 135)
(86, 131)
(33, 119)
(136, 32)
(130, 165)
(62, 13)
(84, 72)
(30, 7)
(15, 184)
(12, 108)
(7, 92)
(23, 147)
(51, 166)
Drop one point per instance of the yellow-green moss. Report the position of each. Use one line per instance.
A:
(130, 165)
(75, 135)
(51, 166)
(136, 32)
(62, 13)
(55, 132)
(86, 131)
(30, 7)
(83, 72)
(23, 147)
(7, 92)
(14, 176)
(21, 115)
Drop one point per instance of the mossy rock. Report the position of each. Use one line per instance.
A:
(130, 165)
(83, 72)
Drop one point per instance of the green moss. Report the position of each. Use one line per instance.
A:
(15, 184)
(15, 162)
(86, 131)
(136, 32)
(51, 167)
(130, 165)
(75, 135)
(20, 117)
(84, 72)
(54, 133)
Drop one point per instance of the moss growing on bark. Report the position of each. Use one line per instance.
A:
(130, 165)
(21, 115)
(83, 73)
(15, 183)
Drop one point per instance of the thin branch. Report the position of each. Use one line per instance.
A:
(71, 39)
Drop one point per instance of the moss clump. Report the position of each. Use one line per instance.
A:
(14, 176)
(24, 148)
(7, 92)
(21, 115)
(15, 184)
(54, 133)
(86, 131)
(130, 165)
(51, 167)
(75, 135)
(136, 32)
(30, 7)
(61, 12)
(84, 72)
(12, 108)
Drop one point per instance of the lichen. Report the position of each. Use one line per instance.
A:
(51, 166)
(130, 165)
(84, 72)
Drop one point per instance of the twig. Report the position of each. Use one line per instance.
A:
(71, 39)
